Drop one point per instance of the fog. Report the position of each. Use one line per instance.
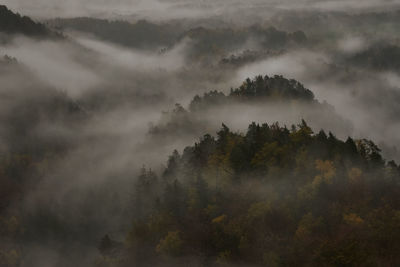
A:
(90, 105)
(178, 9)
(350, 92)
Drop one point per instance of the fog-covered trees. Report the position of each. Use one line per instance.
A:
(142, 34)
(380, 57)
(273, 197)
(12, 23)
(75, 113)
(275, 94)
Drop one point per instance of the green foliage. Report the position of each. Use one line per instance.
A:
(276, 87)
(171, 245)
(289, 197)
(257, 91)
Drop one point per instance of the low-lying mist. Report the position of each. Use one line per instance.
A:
(81, 116)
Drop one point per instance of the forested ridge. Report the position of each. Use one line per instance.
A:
(258, 90)
(274, 196)
(213, 43)
(212, 133)
(142, 34)
(12, 23)
(276, 88)
(261, 92)
(208, 44)
(379, 56)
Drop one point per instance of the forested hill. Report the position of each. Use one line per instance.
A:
(224, 38)
(13, 23)
(274, 97)
(378, 57)
(207, 43)
(275, 88)
(142, 34)
(271, 197)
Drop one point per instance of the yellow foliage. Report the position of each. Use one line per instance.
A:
(302, 232)
(171, 245)
(219, 166)
(302, 161)
(272, 154)
(10, 226)
(9, 258)
(258, 210)
(217, 159)
(219, 171)
(193, 200)
(327, 170)
(157, 223)
(244, 244)
(317, 181)
(355, 175)
(306, 226)
(271, 259)
(301, 135)
(219, 219)
(223, 258)
(267, 155)
(353, 219)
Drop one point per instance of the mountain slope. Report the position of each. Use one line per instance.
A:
(14, 23)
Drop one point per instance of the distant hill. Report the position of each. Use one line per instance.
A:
(210, 44)
(231, 37)
(207, 44)
(260, 88)
(142, 34)
(28, 103)
(383, 57)
(14, 23)
(271, 97)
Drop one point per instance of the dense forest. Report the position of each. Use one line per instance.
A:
(270, 197)
(380, 56)
(208, 44)
(12, 23)
(122, 32)
(187, 133)
(260, 93)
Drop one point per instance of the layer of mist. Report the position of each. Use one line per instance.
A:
(89, 93)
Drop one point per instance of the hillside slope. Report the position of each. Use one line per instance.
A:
(14, 23)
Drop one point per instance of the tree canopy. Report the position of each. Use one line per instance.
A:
(12, 23)
(274, 196)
